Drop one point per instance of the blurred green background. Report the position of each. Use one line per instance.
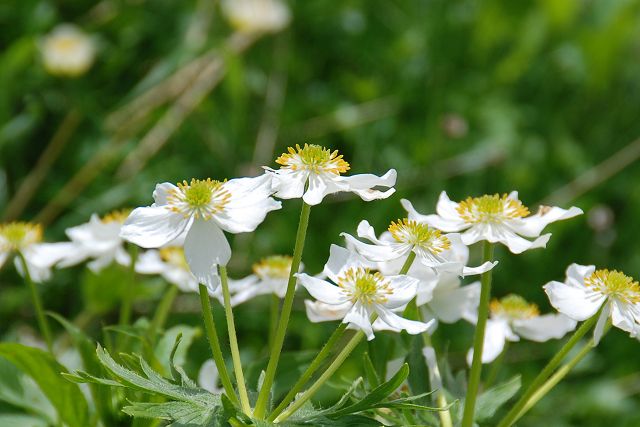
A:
(470, 97)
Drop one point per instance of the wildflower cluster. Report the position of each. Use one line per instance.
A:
(410, 278)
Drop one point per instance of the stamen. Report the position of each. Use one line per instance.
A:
(491, 209)
(273, 267)
(174, 255)
(419, 234)
(119, 215)
(514, 307)
(198, 198)
(359, 284)
(614, 284)
(314, 158)
(18, 235)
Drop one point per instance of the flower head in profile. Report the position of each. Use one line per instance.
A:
(358, 293)
(67, 51)
(312, 172)
(494, 218)
(257, 16)
(432, 248)
(270, 276)
(587, 290)
(200, 210)
(513, 317)
(26, 238)
(99, 240)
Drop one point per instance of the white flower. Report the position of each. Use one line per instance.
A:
(513, 317)
(432, 248)
(201, 209)
(208, 377)
(493, 218)
(320, 169)
(270, 276)
(361, 293)
(98, 239)
(170, 263)
(258, 16)
(26, 238)
(586, 289)
(67, 51)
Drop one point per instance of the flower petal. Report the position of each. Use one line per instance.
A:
(317, 190)
(472, 271)
(321, 290)
(248, 205)
(204, 247)
(576, 274)
(320, 312)
(390, 321)
(404, 290)
(162, 191)
(377, 253)
(602, 321)
(454, 303)
(545, 327)
(450, 222)
(153, 226)
(495, 336)
(358, 317)
(208, 377)
(363, 185)
(287, 183)
(577, 302)
(533, 225)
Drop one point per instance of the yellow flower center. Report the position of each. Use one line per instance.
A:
(614, 284)
(174, 255)
(491, 209)
(273, 267)
(419, 234)
(67, 43)
(199, 198)
(514, 307)
(119, 215)
(313, 158)
(359, 284)
(18, 235)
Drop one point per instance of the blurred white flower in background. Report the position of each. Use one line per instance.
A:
(270, 276)
(26, 238)
(257, 16)
(99, 240)
(208, 377)
(513, 317)
(170, 263)
(67, 51)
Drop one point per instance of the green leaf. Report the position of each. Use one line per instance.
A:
(188, 405)
(45, 371)
(85, 346)
(20, 391)
(169, 343)
(492, 399)
(419, 379)
(370, 371)
(22, 420)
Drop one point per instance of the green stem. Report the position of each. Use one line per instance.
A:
(212, 335)
(335, 364)
(478, 344)
(162, 312)
(276, 349)
(558, 376)
(315, 364)
(512, 415)
(233, 342)
(407, 263)
(324, 352)
(273, 317)
(37, 303)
